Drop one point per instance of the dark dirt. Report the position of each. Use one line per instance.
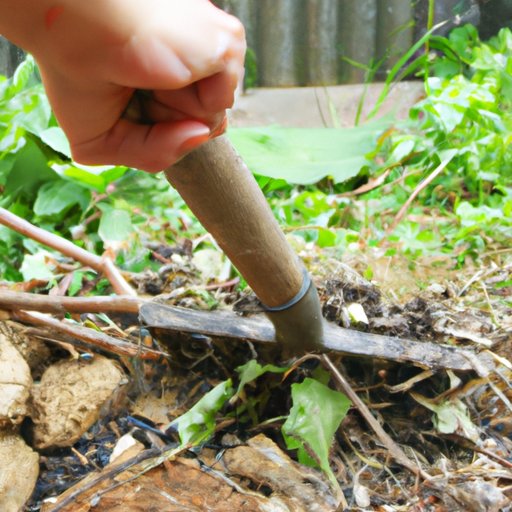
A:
(466, 474)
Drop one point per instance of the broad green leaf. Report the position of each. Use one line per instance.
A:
(35, 266)
(35, 111)
(56, 197)
(315, 417)
(306, 155)
(29, 170)
(76, 283)
(198, 424)
(252, 370)
(56, 139)
(94, 177)
(115, 225)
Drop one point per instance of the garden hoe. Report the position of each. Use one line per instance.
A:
(223, 194)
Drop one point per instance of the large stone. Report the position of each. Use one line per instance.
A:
(15, 383)
(19, 469)
(71, 397)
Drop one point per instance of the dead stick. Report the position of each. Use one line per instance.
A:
(103, 265)
(96, 338)
(395, 451)
(438, 170)
(59, 304)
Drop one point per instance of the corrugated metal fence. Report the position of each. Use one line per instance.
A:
(323, 42)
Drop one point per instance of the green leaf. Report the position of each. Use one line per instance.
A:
(35, 266)
(58, 196)
(306, 155)
(451, 416)
(93, 177)
(76, 283)
(198, 424)
(29, 170)
(252, 370)
(115, 225)
(315, 417)
(56, 139)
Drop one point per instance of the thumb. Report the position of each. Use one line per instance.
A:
(151, 148)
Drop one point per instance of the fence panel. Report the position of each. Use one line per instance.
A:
(321, 42)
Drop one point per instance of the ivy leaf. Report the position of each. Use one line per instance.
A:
(198, 424)
(35, 266)
(315, 417)
(58, 196)
(29, 170)
(115, 225)
(56, 139)
(252, 370)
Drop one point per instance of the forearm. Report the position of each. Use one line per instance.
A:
(39, 26)
(22, 20)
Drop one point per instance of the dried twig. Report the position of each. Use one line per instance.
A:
(59, 304)
(395, 451)
(103, 265)
(436, 172)
(96, 338)
(147, 460)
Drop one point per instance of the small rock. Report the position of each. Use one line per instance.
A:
(15, 383)
(70, 399)
(19, 469)
(436, 289)
(35, 351)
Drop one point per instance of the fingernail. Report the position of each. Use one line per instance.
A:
(200, 136)
(220, 129)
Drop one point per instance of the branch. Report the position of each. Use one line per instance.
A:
(96, 338)
(59, 305)
(436, 172)
(102, 265)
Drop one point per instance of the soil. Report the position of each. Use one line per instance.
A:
(85, 404)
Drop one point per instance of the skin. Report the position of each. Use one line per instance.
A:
(187, 56)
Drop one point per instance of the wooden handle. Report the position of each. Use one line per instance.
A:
(224, 196)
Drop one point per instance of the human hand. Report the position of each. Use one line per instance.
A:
(186, 55)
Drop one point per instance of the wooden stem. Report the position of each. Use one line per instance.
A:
(103, 265)
(59, 305)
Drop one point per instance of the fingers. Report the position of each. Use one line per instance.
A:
(217, 92)
(150, 148)
(194, 101)
(173, 52)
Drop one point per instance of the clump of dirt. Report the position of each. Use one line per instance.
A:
(426, 411)
(19, 470)
(15, 383)
(69, 398)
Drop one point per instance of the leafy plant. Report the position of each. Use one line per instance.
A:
(467, 110)
(197, 425)
(315, 417)
(307, 155)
